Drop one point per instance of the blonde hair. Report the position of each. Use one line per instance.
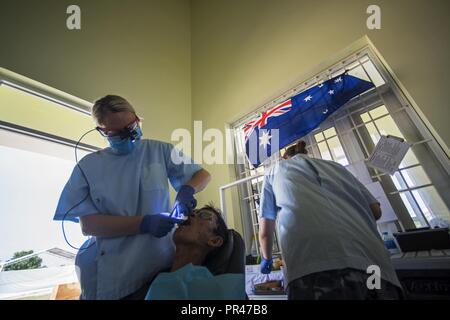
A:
(110, 104)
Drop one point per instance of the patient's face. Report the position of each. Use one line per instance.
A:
(198, 229)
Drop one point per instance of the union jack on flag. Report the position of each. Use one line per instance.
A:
(261, 120)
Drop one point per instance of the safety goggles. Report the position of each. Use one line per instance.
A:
(129, 131)
(203, 214)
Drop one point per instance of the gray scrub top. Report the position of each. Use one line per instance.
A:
(324, 218)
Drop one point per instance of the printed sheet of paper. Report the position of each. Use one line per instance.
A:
(388, 154)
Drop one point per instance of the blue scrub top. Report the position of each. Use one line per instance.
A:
(123, 185)
(324, 218)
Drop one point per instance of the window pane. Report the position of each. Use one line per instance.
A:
(409, 159)
(38, 178)
(373, 132)
(359, 73)
(364, 59)
(415, 177)
(378, 112)
(413, 210)
(365, 117)
(319, 137)
(387, 126)
(431, 204)
(373, 73)
(337, 151)
(329, 132)
(324, 152)
(398, 181)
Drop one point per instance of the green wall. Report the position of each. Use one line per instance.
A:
(138, 49)
(33, 112)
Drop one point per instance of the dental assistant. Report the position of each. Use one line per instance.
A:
(118, 195)
(327, 230)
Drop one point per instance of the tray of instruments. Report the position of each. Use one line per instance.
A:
(271, 287)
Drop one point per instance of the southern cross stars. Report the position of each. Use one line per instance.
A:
(308, 98)
(264, 140)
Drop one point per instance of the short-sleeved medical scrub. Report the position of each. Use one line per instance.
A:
(324, 218)
(123, 185)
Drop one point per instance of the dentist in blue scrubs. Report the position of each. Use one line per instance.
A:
(119, 195)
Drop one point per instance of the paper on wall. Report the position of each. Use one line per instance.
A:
(388, 154)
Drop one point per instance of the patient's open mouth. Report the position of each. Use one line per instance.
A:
(186, 222)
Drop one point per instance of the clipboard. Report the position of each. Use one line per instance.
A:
(388, 154)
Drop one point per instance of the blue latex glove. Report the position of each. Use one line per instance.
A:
(185, 201)
(157, 224)
(266, 265)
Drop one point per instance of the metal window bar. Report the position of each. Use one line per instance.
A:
(412, 188)
(254, 219)
(404, 168)
(222, 190)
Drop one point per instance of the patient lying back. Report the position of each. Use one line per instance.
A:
(197, 240)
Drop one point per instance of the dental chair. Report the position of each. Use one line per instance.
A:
(231, 256)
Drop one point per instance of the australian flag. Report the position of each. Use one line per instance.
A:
(299, 115)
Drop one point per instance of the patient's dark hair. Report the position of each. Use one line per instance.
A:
(221, 230)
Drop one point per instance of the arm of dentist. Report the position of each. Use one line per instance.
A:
(199, 180)
(108, 226)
